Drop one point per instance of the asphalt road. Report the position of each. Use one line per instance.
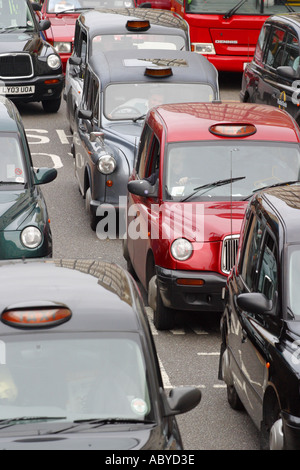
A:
(189, 354)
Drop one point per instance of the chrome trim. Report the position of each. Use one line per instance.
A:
(17, 54)
(229, 252)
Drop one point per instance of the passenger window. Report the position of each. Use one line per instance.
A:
(251, 252)
(261, 44)
(275, 48)
(143, 151)
(291, 57)
(153, 158)
(267, 280)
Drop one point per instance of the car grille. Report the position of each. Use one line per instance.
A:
(229, 252)
(15, 66)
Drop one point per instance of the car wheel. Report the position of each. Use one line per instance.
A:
(233, 398)
(163, 317)
(51, 106)
(92, 215)
(271, 436)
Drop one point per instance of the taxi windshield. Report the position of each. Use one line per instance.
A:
(243, 7)
(58, 6)
(15, 15)
(12, 168)
(218, 171)
(85, 377)
(293, 293)
(111, 42)
(133, 100)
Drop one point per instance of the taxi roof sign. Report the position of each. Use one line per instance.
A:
(138, 25)
(158, 72)
(232, 130)
(36, 317)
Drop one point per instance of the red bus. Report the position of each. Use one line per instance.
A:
(226, 31)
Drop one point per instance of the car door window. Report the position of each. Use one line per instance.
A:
(292, 52)
(276, 47)
(260, 46)
(251, 252)
(267, 276)
(145, 140)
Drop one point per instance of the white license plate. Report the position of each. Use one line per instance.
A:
(17, 90)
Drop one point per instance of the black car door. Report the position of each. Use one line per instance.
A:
(256, 334)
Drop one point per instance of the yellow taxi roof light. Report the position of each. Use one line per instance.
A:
(232, 130)
(158, 72)
(138, 25)
(36, 317)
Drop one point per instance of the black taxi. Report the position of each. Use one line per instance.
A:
(260, 327)
(119, 88)
(273, 76)
(30, 68)
(78, 365)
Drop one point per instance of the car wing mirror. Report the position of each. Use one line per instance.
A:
(44, 24)
(45, 175)
(142, 188)
(180, 400)
(286, 71)
(36, 6)
(85, 114)
(75, 60)
(254, 302)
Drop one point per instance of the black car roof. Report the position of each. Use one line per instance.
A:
(114, 21)
(100, 295)
(283, 204)
(129, 66)
(287, 18)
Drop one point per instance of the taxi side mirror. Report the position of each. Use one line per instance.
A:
(286, 71)
(254, 302)
(145, 5)
(44, 24)
(45, 175)
(142, 188)
(180, 400)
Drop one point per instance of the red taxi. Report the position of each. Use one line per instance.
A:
(197, 166)
(63, 15)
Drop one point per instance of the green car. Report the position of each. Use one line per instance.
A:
(24, 222)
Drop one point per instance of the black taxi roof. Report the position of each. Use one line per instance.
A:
(288, 18)
(129, 66)
(100, 295)
(114, 21)
(282, 204)
(8, 115)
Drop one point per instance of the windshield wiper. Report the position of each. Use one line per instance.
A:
(212, 185)
(12, 421)
(282, 183)
(70, 10)
(14, 28)
(139, 117)
(232, 11)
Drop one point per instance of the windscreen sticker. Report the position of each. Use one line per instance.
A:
(139, 406)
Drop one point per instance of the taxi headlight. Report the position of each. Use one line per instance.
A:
(31, 237)
(107, 164)
(63, 47)
(53, 61)
(181, 249)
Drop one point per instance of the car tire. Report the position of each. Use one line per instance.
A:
(163, 317)
(51, 106)
(126, 256)
(92, 215)
(233, 398)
